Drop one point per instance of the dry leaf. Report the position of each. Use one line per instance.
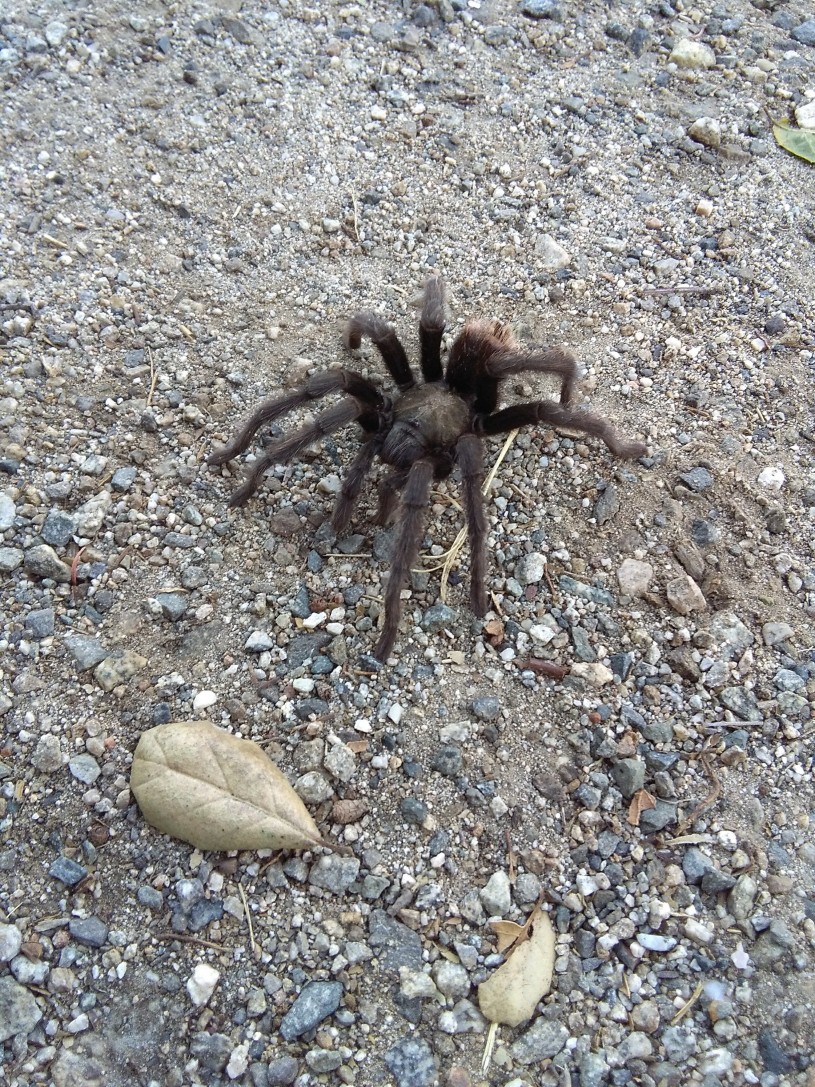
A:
(215, 791)
(798, 141)
(507, 933)
(641, 801)
(494, 629)
(511, 994)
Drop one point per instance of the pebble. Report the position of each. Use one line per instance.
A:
(8, 511)
(84, 768)
(42, 561)
(19, 1011)
(90, 931)
(118, 667)
(496, 896)
(692, 54)
(316, 1001)
(411, 1063)
(67, 871)
(10, 942)
(685, 596)
(48, 756)
(545, 1038)
(201, 985)
(530, 569)
(86, 651)
(334, 873)
(634, 577)
(805, 32)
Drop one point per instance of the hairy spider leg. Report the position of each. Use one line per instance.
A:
(384, 338)
(352, 484)
(318, 386)
(470, 456)
(547, 411)
(282, 451)
(431, 329)
(407, 537)
(554, 360)
(388, 490)
(467, 364)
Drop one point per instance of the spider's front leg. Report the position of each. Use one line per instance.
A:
(408, 536)
(547, 411)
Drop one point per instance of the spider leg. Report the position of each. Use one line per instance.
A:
(386, 341)
(352, 484)
(431, 329)
(316, 387)
(389, 490)
(547, 411)
(554, 360)
(347, 411)
(406, 547)
(470, 457)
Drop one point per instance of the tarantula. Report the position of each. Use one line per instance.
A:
(424, 430)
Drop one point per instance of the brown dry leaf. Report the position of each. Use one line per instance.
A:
(641, 801)
(511, 994)
(494, 629)
(507, 933)
(215, 791)
(348, 811)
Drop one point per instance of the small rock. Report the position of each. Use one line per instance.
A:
(67, 871)
(90, 516)
(173, 605)
(774, 1057)
(437, 618)
(316, 1001)
(411, 1062)
(11, 941)
(42, 561)
(19, 1011)
(334, 873)
(607, 505)
(805, 32)
(776, 633)
(86, 651)
(742, 702)
(595, 674)
(541, 9)
(84, 768)
(118, 668)
(447, 761)
(486, 707)
(707, 131)
(773, 944)
(48, 756)
(552, 255)
(529, 570)
(202, 984)
(634, 577)
(629, 776)
(90, 931)
(57, 528)
(685, 596)
(698, 479)
(771, 477)
(496, 896)
(545, 1038)
(692, 54)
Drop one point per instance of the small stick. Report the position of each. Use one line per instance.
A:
(544, 668)
(183, 938)
(710, 799)
(153, 376)
(252, 943)
(683, 1011)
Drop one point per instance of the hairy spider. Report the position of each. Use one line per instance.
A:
(424, 430)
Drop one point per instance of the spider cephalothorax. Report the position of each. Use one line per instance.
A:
(424, 430)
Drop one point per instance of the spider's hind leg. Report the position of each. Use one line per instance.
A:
(470, 457)
(352, 484)
(547, 411)
(406, 547)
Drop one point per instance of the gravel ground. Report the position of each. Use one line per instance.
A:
(195, 197)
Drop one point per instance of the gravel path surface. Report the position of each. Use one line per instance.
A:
(194, 197)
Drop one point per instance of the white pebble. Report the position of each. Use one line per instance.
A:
(203, 700)
(772, 477)
(202, 984)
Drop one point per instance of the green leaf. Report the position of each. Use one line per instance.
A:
(798, 141)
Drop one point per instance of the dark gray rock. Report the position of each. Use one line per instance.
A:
(437, 618)
(447, 761)
(486, 707)
(607, 505)
(212, 1051)
(629, 776)
(150, 897)
(67, 871)
(43, 561)
(541, 9)
(122, 479)
(545, 1038)
(698, 479)
(90, 931)
(396, 945)
(657, 818)
(742, 702)
(317, 1000)
(594, 593)
(413, 810)
(334, 873)
(282, 1071)
(173, 605)
(805, 32)
(40, 623)
(774, 1057)
(411, 1062)
(57, 528)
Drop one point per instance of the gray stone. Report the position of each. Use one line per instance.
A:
(530, 568)
(774, 1057)
(334, 873)
(8, 511)
(447, 761)
(805, 32)
(634, 577)
(48, 756)
(259, 642)
(411, 1063)
(776, 633)
(437, 618)
(211, 1050)
(150, 897)
(123, 479)
(731, 634)
(773, 944)
(396, 945)
(708, 132)
(173, 605)
(692, 54)
(741, 702)
(496, 896)
(541, 9)
(593, 1070)
(657, 818)
(317, 1000)
(680, 1044)
(698, 479)
(86, 651)
(742, 897)
(413, 810)
(580, 589)
(787, 680)
(67, 871)
(118, 668)
(551, 254)
(684, 595)
(19, 1011)
(84, 768)
(282, 1071)
(323, 1060)
(57, 528)
(486, 707)
(545, 1038)
(629, 776)
(462, 1018)
(42, 561)
(40, 623)
(607, 505)
(10, 942)
(90, 931)
(11, 558)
